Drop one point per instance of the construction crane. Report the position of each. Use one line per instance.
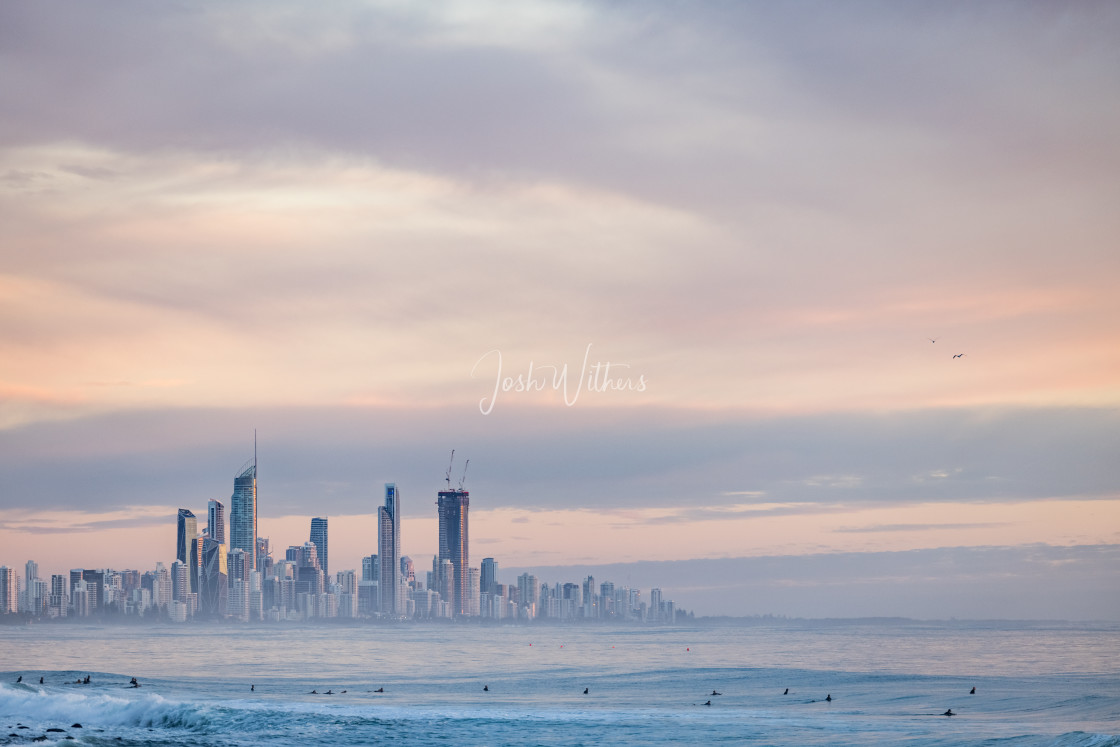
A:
(447, 477)
(464, 477)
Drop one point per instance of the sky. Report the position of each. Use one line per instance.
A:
(802, 308)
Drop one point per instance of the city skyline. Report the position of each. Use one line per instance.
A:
(759, 289)
(209, 581)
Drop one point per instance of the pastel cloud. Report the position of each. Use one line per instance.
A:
(316, 223)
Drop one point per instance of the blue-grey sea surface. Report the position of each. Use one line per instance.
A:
(1036, 684)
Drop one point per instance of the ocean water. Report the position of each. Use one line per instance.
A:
(1035, 685)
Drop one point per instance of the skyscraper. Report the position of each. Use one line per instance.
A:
(237, 566)
(60, 595)
(309, 574)
(371, 570)
(95, 587)
(389, 553)
(186, 530)
(528, 591)
(214, 579)
(489, 576)
(161, 593)
(453, 544)
(30, 576)
(319, 539)
(180, 581)
(9, 590)
(243, 513)
(194, 565)
(216, 520)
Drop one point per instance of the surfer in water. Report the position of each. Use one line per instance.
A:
(829, 698)
(19, 679)
(972, 691)
(586, 690)
(252, 688)
(485, 688)
(134, 683)
(379, 690)
(786, 692)
(949, 713)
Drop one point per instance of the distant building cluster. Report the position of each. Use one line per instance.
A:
(241, 581)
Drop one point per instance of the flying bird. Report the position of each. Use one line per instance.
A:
(959, 355)
(931, 339)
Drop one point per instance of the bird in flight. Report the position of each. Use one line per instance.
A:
(931, 339)
(959, 355)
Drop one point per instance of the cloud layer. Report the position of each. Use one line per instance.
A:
(327, 223)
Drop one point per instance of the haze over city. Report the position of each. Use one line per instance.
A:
(848, 277)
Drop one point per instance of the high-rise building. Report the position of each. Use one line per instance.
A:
(95, 589)
(371, 571)
(264, 557)
(389, 553)
(9, 590)
(194, 565)
(60, 595)
(216, 520)
(243, 513)
(453, 544)
(213, 580)
(256, 594)
(489, 576)
(161, 595)
(319, 539)
(408, 572)
(75, 577)
(237, 566)
(347, 582)
(608, 605)
(186, 530)
(445, 578)
(30, 576)
(79, 598)
(309, 575)
(655, 605)
(528, 591)
(180, 581)
(473, 602)
(590, 606)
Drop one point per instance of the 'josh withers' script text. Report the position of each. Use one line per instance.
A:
(595, 377)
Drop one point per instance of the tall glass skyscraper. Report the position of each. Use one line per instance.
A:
(319, 539)
(194, 561)
(243, 514)
(489, 576)
(389, 584)
(214, 579)
(216, 518)
(453, 545)
(187, 530)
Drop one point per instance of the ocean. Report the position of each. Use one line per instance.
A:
(890, 681)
